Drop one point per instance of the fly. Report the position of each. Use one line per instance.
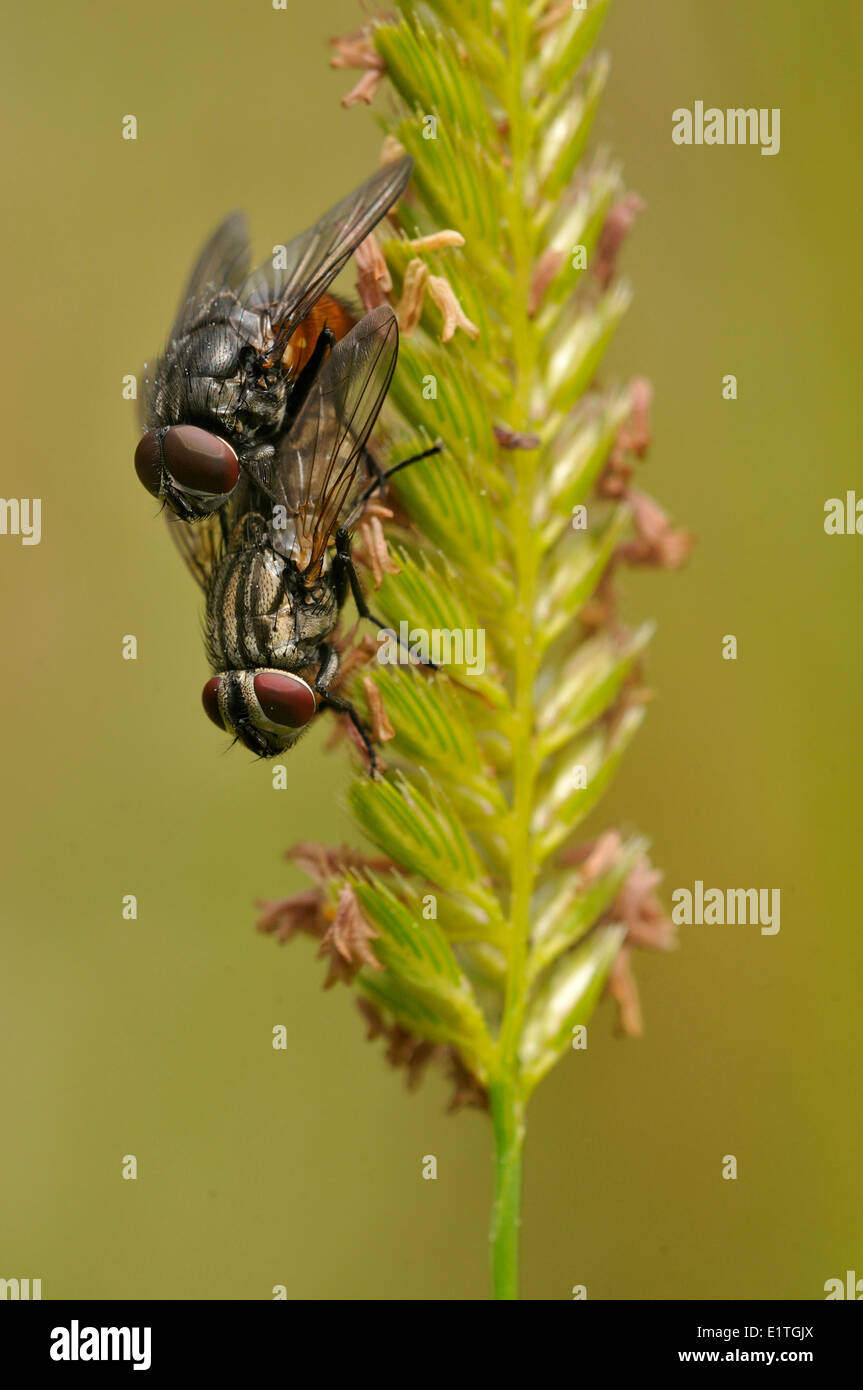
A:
(264, 483)
(244, 350)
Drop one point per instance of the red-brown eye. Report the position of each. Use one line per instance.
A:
(285, 699)
(210, 700)
(194, 458)
(199, 460)
(148, 462)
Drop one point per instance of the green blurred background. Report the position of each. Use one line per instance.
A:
(153, 1037)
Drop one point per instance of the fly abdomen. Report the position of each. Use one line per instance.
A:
(244, 601)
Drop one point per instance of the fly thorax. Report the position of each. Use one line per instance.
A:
(218, 373)
(316, 611)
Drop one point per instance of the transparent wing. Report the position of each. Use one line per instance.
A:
(314, 258)
(320, 472)
(223, 264)
(203, 544)
(200, 543)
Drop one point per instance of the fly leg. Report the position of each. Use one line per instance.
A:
(324, 680)
(382, 476)
(344, 573)
(375, 471)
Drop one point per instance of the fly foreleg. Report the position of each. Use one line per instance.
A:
(345, 572)
(324, 680)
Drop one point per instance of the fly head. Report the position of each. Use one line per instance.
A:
(265, 710)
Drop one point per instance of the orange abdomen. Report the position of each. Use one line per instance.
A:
(328, 312)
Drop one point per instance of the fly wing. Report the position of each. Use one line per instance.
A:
(320, 472)
(200, 543)
(314, 258)
(223, 264)
(203, 544)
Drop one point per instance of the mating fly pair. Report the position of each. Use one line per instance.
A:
(258, 416)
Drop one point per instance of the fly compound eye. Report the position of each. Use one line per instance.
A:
(196, 460)
(210, 700)
(148, 461)
(199, 460)
(285, 698)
